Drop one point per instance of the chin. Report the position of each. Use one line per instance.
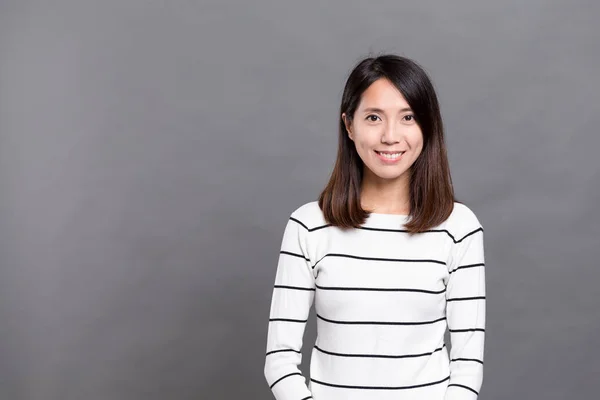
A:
(388, 176)
(391, 177)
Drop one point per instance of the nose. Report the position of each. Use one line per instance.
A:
(391, 133)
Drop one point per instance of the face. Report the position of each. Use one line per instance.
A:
(384, 124)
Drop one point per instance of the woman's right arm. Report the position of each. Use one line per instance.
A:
(293, 296)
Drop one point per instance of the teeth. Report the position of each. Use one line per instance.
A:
(391, 156)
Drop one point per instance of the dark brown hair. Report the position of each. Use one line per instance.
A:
(431, 191)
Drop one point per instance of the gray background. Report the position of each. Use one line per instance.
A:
(152, 151)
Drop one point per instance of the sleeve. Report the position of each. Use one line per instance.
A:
(292, 298)
(465, 314)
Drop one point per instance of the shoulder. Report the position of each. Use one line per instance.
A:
(308, 214)
(462, 221)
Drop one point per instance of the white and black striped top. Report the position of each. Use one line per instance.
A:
(383, 301)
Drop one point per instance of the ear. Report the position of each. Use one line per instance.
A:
(348, 127)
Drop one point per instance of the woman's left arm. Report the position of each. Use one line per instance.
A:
(465, 314)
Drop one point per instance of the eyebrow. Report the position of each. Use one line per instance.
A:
(375, 109)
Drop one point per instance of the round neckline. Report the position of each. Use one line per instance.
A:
(388, 215)
(381, 220)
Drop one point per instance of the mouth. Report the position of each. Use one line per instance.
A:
(389, 155)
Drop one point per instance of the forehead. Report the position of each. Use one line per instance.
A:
(383, 94)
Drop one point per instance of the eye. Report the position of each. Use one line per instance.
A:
(371, 115)
(411, 117)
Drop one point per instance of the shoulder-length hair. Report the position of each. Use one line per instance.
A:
(431, 192)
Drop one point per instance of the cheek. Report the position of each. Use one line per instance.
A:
(366, 148)
(366, 140)
(415, 138)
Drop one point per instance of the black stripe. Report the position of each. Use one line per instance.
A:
(299, 222)
(463, 386)
(466, 266)
(467, 330)
(307, 228)
(379, 355)
(368, 228)
(480, 229)
(293, 287)
(467, 359)
(381, 387)
(282, 350)
(380, 289)
(466, 298)
(283, 377)
(293, 254)
(288, 319)
(424, 260)
(382, 322)
(307, 397)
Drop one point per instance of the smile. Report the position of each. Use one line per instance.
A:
(387, 156)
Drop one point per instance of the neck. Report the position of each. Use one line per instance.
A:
(384, 195)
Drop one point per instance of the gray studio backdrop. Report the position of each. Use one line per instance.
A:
(152, 151)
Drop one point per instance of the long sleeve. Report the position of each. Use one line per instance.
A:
(292, 298)
(465, 313)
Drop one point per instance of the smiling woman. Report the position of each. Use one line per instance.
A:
(384, 130)
(387, 255)
(389, 106)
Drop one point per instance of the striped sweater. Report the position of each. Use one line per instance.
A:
(383, 301)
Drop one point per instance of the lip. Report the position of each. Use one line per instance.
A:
(387, 160)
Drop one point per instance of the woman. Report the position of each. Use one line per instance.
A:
(389, 256)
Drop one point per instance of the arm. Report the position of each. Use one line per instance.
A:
(292, 299)
(465, 313)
